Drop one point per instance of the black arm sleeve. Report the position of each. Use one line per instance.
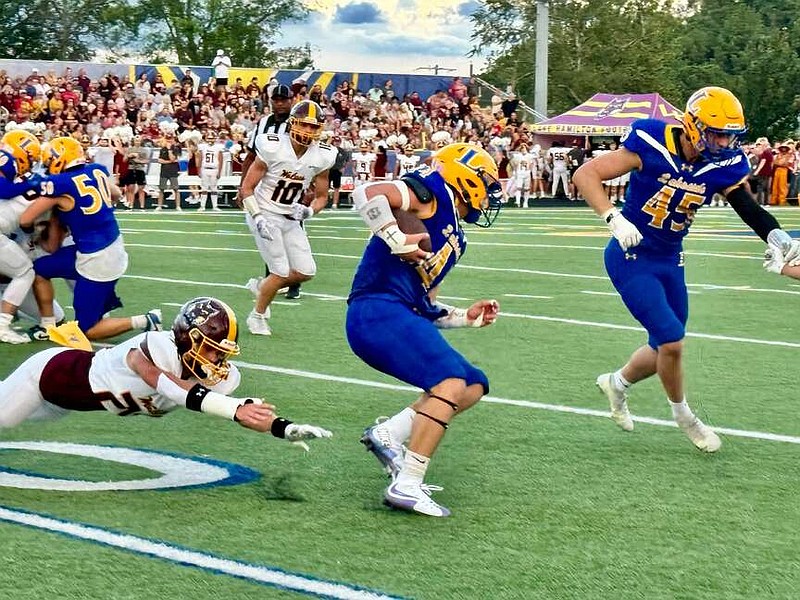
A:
(758, 219)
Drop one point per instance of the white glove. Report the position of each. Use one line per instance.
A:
(773, 260)
(296, 434)
(263, 228)
(623, 230)
(301, 212)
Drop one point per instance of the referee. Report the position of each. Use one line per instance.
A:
(275, 122)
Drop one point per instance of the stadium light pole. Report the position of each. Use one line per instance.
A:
(542, 40)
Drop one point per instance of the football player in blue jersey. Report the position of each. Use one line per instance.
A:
(675, 170)
(19, 152)
(82, 198)
(393, 318)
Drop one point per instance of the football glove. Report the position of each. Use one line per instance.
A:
(773, 260)
(263, 228)
(782, 242)
(301, 212)
(297, 434)
(623, 230)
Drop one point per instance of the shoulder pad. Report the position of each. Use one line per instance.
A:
(267, 145)
(423, 194)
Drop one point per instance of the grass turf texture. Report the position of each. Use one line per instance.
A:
(546, 504)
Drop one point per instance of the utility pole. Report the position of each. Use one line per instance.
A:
(542, 42)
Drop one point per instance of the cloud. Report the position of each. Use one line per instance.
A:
(465, 9)
(391, 43)
(359, 13)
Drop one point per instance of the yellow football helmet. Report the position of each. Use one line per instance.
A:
(305, 122)
(62, 153)
(472, 173)
(24, 147)
(711, 113)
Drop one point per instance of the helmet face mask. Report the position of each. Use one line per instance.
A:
(305, 122)
(472, 173)
(714, 122)
(23, 147)
(205, 333)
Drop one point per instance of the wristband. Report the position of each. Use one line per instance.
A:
(609, 215)
(279, 426)
(251, 206)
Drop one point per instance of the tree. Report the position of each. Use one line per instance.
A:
(595, 45)
(195, 29)
(54, 30)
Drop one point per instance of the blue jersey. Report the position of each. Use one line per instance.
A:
(381, 274)
(90, 219)
(666, 193)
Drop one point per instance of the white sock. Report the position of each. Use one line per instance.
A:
(139, 322)
(400, 424)
(681, 410)
(5, 320)
(214, 200)
(266, 314)
(414, 468)
(45, 322)
(620, 382)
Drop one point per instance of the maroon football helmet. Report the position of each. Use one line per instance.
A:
(205, 333)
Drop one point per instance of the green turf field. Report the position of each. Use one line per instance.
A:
(549, 498)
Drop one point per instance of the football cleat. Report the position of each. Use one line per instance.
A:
(618, 401)
(379, 440)
(153, 320)
(293, 293)
(38, 333)
(258, 324)
(413, 498)
(9, 336)
(253, 284)
(702, 436)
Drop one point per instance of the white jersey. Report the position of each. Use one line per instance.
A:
(288, 176)
(210, 156)
(522, 165)
(10, 212)
(406, 163)
(102, 155)
(110, 373)
(558, 157)
(363, 161)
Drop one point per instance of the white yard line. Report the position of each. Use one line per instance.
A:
(260, 574)
(759, 435)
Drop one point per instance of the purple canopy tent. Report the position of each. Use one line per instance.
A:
(608, 114)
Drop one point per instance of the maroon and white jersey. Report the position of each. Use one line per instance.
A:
(406, 163)
(81, 380)
(287, 176)
(362, 162)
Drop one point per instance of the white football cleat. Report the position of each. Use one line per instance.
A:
(413, 498)
(702, 436)
(9, 336)
(258, 324)
(379, 440)
(253, 284)
(618, 402)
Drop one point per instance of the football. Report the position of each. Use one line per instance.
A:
(409, 223)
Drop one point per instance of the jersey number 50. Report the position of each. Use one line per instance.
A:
(100, 194)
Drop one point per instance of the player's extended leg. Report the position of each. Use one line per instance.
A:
(20, 398)
(92, 299)
(15, 264)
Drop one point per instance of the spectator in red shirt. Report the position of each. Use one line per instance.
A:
(763, 172)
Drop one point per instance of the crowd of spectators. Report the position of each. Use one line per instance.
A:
(116, 108)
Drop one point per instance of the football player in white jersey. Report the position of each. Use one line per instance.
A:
(209, 160)
(557, 156)
(363, 164)
(151, 374)
(537, 171)
(522, 164)
(406, 161)
(19, 150)
(273, 193)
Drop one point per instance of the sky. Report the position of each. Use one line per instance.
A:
(387, 36)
